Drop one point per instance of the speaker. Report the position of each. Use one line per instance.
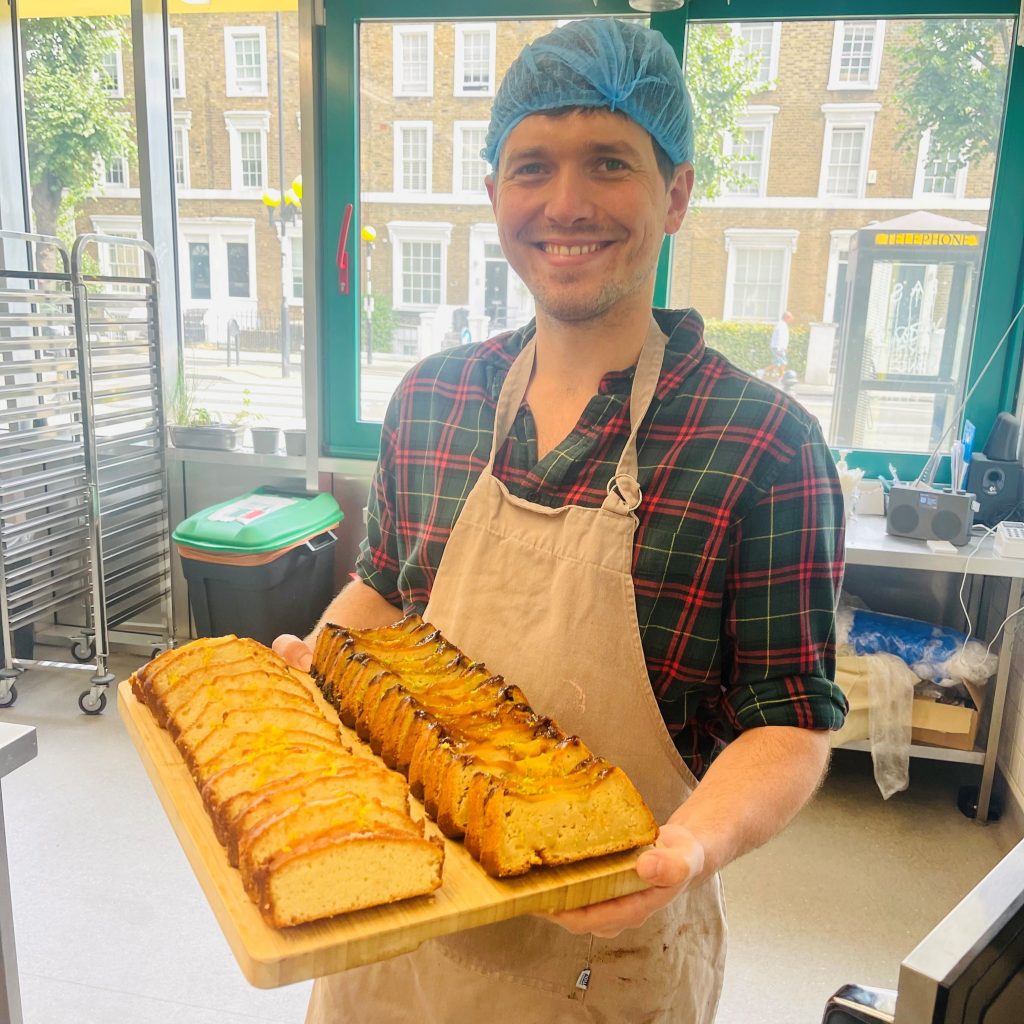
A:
(929, 515)
(997, 484)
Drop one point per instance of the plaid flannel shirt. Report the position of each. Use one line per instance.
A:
(738, 556)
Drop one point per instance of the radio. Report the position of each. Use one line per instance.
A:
(930, 515)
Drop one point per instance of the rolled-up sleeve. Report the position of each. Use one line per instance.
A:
(784, 574)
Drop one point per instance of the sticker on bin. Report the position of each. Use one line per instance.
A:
(251, 508)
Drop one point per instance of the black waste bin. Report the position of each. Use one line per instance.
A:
(261, 564)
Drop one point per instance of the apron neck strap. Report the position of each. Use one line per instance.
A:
(623, 486)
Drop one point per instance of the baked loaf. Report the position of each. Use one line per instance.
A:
(487, 767)
(314, 829)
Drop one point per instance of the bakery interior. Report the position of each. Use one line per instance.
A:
(262, 213)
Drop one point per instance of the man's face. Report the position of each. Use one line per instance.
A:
(582, 210)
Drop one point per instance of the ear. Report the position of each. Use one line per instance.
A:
(679, 192)
(491, 191)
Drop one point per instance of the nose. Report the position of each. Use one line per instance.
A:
(568, 199)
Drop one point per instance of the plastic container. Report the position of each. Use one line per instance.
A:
(261, 564)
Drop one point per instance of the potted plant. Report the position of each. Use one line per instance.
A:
(194, 426)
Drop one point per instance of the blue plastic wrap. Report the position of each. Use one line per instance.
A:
(936, 653)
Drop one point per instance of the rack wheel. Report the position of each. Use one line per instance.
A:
(81, 652)
(92, 704)
(8, 699)
(967, 801)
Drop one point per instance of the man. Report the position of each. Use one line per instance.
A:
(779, 343)
(643, 537)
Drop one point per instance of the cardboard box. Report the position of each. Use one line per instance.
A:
(938, 725)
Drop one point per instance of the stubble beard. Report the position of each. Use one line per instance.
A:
(564, 304)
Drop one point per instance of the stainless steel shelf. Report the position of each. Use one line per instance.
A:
(82, 439)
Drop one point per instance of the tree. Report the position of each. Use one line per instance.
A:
(70, 119)
(951, 82)
(720, 74)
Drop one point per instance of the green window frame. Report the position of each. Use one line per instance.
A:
(1001, 285)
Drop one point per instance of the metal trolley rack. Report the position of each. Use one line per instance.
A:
(74, 477)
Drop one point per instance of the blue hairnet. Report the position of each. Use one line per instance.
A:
(598, 62)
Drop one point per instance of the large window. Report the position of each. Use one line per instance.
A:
(785, 212)
(243, 326)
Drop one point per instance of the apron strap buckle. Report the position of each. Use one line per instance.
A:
(627, 490)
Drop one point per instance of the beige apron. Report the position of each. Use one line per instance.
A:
(545, 597)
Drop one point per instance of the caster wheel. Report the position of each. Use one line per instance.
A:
(81, 652)
(967, 801)
(12, 696)
(92, 705)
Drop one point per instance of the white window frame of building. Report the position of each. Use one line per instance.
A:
(401, 232)
(461, 30)
(399, 85)
(838, 248)
(110, 175)
(841, 116)
(116, 87)
(759, 119)
(179, 148)
(126, 226)
(741, 46)
(920, 175)
(838, 42)
(293, 236)
(234, 87)
(400, 130)
(238, 121)
(757, 240)
(461, 159)
(176, 61)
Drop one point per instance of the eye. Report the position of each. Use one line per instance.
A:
(528, 169)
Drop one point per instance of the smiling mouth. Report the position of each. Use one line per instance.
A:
(554, 249)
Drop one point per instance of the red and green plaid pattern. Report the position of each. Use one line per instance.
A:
(738, 555)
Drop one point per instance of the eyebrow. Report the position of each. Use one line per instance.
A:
(591, 148)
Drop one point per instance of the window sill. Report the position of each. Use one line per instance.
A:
(359, 468)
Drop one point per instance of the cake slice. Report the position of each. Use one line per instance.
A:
(338, 871)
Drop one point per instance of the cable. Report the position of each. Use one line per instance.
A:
(955, 418)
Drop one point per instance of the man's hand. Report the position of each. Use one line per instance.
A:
(676, 859)
(294, 650)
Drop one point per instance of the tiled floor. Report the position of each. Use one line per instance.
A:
(113, 929)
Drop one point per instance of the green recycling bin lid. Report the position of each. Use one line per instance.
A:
(266, 519)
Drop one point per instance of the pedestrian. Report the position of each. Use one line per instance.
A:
(645, 538)
(779, 343)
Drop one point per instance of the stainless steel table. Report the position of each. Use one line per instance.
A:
(867, 543)
(17, 745)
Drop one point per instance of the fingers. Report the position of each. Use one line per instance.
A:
(294, 651)
(612, 917)
(676, 858)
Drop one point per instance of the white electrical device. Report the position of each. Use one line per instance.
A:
(1009, 540)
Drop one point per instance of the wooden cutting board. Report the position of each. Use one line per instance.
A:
(271, 957)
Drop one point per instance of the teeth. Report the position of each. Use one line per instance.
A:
(571, 250)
